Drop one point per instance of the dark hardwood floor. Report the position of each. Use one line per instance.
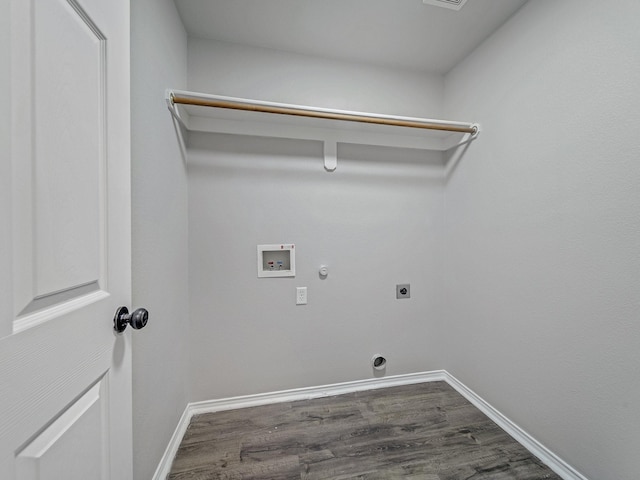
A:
(426, 431)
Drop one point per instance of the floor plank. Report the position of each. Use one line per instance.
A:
(426, 431)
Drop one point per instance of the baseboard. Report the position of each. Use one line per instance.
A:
(564, 470)
(164, 467)
(307, 393)
(555, 463)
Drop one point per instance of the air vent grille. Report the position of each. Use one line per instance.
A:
(450, 4)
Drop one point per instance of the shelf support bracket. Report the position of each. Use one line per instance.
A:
(330, 155)
(178, 124)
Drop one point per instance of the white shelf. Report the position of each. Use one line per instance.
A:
(198, 118)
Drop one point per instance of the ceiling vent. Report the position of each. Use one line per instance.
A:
(450, 4)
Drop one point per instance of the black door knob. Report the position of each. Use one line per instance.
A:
(138, 319)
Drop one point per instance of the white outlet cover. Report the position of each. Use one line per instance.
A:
(301, 295)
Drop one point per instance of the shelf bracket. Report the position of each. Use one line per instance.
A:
(330, 155)
(178, 124)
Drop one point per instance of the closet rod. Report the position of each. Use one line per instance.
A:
(321, 114)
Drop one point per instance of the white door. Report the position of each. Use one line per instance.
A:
(65, 375)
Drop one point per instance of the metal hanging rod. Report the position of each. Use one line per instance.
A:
(322, 113)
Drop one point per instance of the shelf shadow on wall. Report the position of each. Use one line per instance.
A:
(281, 159)
(452, 158)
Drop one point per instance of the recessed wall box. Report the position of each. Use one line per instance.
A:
(277, 260)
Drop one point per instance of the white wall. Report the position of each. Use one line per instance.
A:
(159, 187)
(376, 221)
(263, 74)
(6, 289)
(542, 235)
(542, 273)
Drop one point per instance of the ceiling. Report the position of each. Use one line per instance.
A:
(396, 33)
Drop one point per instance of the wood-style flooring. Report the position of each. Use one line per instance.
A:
(426, 431)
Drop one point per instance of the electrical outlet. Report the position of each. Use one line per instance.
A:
(403, 291)
(301, 295)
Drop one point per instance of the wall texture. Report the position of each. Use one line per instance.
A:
(523, 256)
(263, 74)
(376, 221)
(6, 288)
(542, 272)
(159, 189)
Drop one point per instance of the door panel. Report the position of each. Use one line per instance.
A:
(69, 142)
(65, 375)
(74, 442)
(61, 220)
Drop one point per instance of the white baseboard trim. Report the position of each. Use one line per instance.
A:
(555, 463)
(307, 393)
(564, 470)
(164, 467)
